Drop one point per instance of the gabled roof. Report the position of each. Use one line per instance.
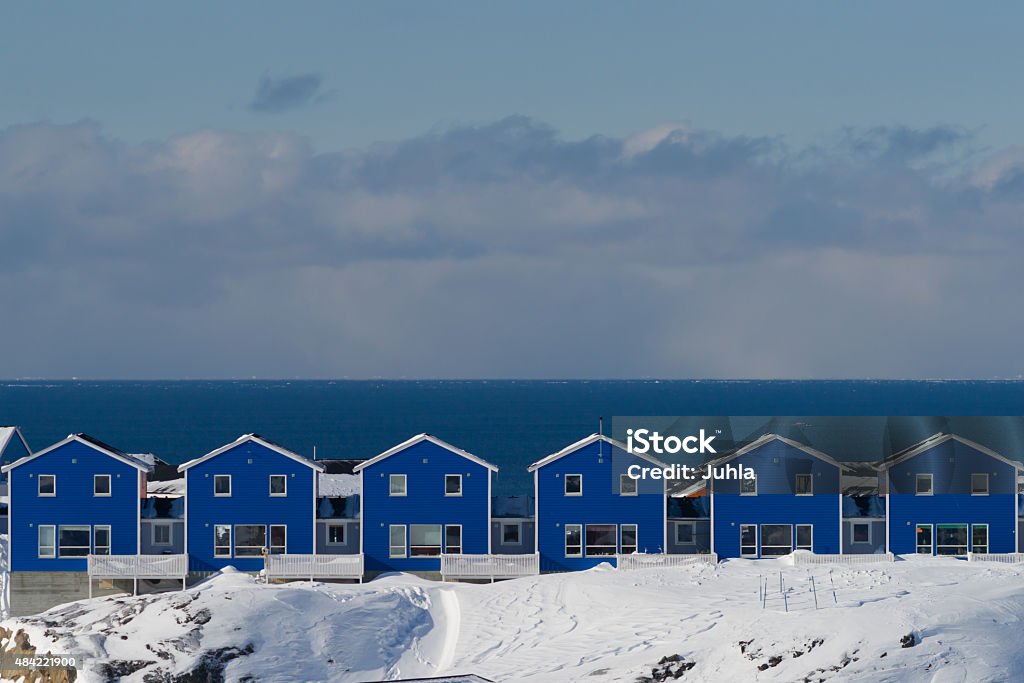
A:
(586, 441)
(255, 438)
(420, 438)
(8, 433)
(92, 443)
(752, 446)
(937, 439)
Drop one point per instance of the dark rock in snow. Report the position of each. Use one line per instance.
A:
(909, 640)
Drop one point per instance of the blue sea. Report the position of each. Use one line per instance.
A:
(510, 423)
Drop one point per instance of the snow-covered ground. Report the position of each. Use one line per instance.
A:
(597, 626)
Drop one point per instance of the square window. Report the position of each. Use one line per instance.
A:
(453, 484)
(510, 534)
(222, 484)
(101, 485)
(222, 540)
(161, 534)
(336, 534)
(47, 484)
(424, 540)
(684, 533)
(397, 485)
(627, 485)
(396, 535)
(862, 532)
(804, 485)
(278, 485)
(748, 487)
(979, 484)
(574, 484)
(47, 541)
(924, 485)
(601, 540)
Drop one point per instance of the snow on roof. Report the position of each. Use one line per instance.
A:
(9, 432)
(940, 438)
(92, 442)
(337, 485)
(425, 437)
(267, 443)
(586, 441)
(171, 488)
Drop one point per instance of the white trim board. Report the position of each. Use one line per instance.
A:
(419, 438)
(247, 438)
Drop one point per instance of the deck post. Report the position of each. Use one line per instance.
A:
(90, 587)
(135, 585)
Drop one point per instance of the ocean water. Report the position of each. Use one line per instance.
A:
(510, 423)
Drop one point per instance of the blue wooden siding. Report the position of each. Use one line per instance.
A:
(876, 543)
(425, 465)
(600, 463)
(526, 537)
(951, 464)
(349, 547)
(74, 465)
(250, 465)
(701, 537)
(776, 464)
(14, 450)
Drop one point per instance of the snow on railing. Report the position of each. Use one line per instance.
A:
(489, 566)
(654, 560)
(804, 558)
(315, 566)
(138, 566)
(1004, 558)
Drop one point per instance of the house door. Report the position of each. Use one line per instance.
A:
(748, 540)
(924, 539)
(805, 537)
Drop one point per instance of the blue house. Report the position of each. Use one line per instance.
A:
(589, 509)
(77, 497)
(245, 497)
(948, 495)
(793, 502)
(422, 498)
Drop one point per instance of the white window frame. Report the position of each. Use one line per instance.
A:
(445, 539)
(392, 478)
(796, 484)
(39, 542)
(565, 487)
(231, 540)
(587, 546)
(270, 539)
(270, 486)
(231, 487)
(853, 533)
(692, 526)
(565, 544)
(980, 474)
(110, 539)
(405, 542)
(439, 546)
(749, 493)
(110, 486)
(636, 536)
(452, 495)
(344, 533)
(971, 538)
(519, 533)
(163, 525)
(248, 548)
(757, 540)
(931, 532)
(39, 486)
(966, 545)
(635, 482)
(796, 537)
(921, 476)
(79, 527)
(762, 546)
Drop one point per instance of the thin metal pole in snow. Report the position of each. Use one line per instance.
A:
(815, 592)
(759, 588)
(833, 587)
(764, 599)
(780, 582)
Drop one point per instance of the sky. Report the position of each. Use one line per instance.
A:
(511, 190)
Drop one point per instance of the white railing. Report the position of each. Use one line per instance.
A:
(489, 566)
(654, 560)
(138, 566)
(814, 558)
(315, 566)
(1003, 558)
